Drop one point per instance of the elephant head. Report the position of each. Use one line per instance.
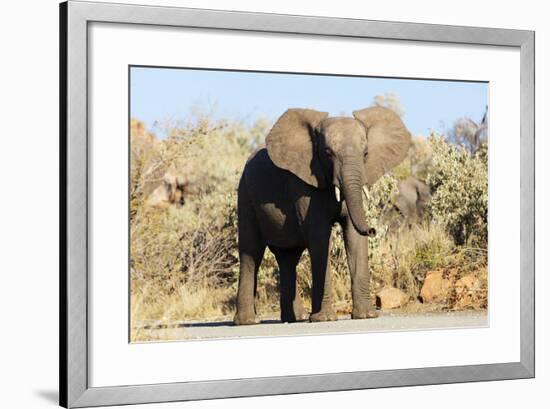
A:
(342, 153)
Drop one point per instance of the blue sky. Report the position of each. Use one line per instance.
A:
(159, 94)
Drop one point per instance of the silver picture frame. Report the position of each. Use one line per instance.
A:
(75, 16)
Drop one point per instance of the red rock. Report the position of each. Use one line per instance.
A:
(436, 288)
(391, 297)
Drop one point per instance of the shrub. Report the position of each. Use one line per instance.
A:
(380, 197)
(181, 255)
(459, 185)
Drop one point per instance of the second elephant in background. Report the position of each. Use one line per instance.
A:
(410, 204)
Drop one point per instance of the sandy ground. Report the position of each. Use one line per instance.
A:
(387, 321)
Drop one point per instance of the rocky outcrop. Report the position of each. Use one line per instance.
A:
(139, 135)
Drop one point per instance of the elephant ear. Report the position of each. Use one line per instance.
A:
(388, 140)
(291, 145)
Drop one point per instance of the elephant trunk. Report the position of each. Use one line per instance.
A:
(352, 184)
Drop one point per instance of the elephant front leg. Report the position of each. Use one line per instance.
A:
(357, 247)
(322, 308)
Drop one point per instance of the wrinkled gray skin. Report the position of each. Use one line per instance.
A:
(287, 201)
(410, 204)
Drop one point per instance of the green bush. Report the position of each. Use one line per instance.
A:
(459, 185)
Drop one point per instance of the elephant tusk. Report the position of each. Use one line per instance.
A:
(337, 193)
(366, 192)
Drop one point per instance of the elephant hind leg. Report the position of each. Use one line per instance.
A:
(246, 295)
(251, 253)
(292, 308)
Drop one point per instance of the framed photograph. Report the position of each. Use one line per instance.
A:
(259, 204)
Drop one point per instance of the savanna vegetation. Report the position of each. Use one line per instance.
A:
(184, 259)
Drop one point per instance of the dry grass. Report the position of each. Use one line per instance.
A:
(403, 258)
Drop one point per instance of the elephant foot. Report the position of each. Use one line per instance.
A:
(356, 315)
(322, 316)
(246, 319)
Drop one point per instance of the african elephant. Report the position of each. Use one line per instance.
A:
(409, 206)
(310, 175)
(171, 191)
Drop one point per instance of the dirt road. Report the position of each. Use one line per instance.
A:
(387, 321)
